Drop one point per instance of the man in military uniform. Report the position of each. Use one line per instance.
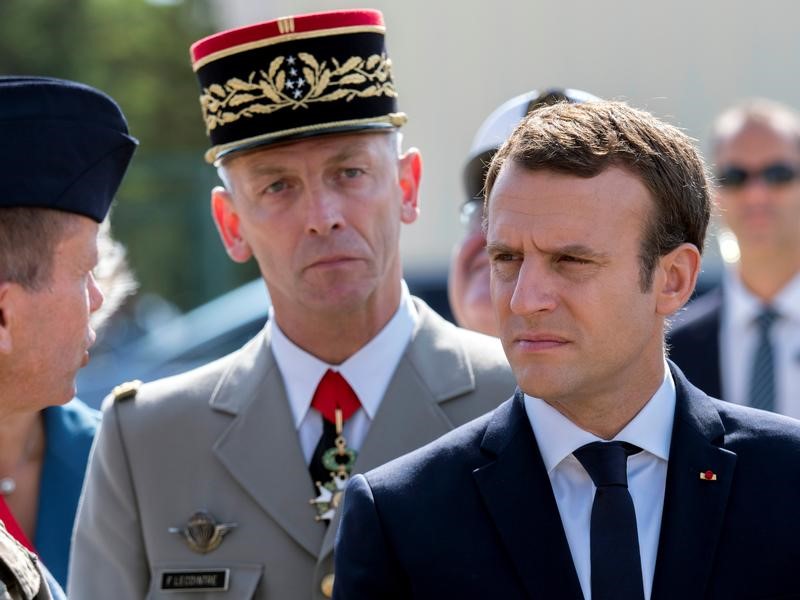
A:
(64, 148)
(227, 478)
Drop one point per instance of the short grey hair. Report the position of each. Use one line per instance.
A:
(755, 111)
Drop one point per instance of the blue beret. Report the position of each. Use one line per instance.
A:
(63, 145)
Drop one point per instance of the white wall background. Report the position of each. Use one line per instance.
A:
(454, 62)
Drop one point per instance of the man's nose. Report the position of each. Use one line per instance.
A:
(96, 297)
(756, 190)
(324, 211)
(534, 289)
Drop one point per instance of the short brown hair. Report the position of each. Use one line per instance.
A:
(28, 238)
(586, 139)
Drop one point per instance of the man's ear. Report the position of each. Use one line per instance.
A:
(410, 173)
(678, 271)
(227, 221)
(6, 314)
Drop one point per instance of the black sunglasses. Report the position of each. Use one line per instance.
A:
(775, 174)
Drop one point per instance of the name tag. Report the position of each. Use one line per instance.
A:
(201, 580)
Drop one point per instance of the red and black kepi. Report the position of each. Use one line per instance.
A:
(295, 77)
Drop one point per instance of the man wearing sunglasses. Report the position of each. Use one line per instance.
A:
(741, 341)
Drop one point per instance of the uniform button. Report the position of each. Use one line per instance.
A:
(327, 585)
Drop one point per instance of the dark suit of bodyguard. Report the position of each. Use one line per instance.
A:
(200, 483)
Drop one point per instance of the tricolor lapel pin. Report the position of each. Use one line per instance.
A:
(708, 475)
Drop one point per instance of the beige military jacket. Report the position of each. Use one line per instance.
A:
(220, 441)
(20, 574)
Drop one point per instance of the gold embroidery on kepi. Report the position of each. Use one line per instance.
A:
(202, 532)
(320, 73)
(281, 86)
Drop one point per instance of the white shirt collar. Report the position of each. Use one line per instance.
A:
(650, 429)
(743, 306)
(368, 371)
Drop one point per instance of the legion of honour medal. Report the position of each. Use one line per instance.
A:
(339, 462)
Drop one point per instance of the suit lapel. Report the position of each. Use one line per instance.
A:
(434, 368)
(519, 498)
(261, 449)
(694, 508)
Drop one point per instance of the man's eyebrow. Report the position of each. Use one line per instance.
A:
(499, 248)
(266, 169)
(579, 250)
(348, 153)
(570, 249)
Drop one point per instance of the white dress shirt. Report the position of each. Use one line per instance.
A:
(650, 430)
(739, 337)
(368, 372)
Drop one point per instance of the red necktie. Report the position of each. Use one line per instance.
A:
(334, 392)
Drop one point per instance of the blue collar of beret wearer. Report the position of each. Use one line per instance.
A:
(63, 145)
(69, 431)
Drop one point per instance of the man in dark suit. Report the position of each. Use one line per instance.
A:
(741, 341)
(607, 475)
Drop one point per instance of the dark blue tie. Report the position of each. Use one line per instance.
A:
(614, 542)
(762, 374)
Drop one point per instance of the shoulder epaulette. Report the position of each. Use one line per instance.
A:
(127, 390)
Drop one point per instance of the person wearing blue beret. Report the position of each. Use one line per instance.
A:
(64, 148)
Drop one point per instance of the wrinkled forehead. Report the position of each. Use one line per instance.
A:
(320, 149)
(550, 202)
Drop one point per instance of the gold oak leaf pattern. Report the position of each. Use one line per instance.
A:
(296, 82)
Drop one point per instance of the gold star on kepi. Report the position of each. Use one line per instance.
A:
(295, 77)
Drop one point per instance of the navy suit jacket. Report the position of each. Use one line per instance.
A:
(693, 342)
(473, 514)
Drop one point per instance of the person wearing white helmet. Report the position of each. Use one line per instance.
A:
(468, 283)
